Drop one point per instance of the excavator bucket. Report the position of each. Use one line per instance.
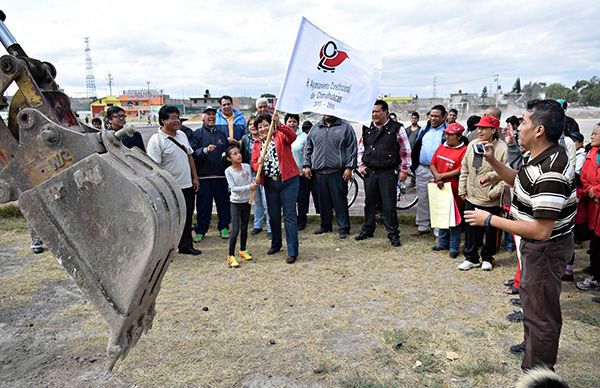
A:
(110, 215)
(113, 221)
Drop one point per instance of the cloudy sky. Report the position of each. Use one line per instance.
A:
(242, 47)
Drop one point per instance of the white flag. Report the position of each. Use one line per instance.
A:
(329, 77)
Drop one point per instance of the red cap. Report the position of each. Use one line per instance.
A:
(488, 122)
(455, 128)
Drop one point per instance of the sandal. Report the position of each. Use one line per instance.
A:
(509, 282)
(512, 290)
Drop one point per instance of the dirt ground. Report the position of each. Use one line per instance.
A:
(346, 314)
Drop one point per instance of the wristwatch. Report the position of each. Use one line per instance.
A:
(488, 220)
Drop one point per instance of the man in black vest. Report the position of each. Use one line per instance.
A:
(383, 159)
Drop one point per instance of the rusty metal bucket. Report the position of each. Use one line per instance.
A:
(113, 221)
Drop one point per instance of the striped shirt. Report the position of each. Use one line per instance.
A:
(543, 191)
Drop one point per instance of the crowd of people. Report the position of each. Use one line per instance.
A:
(532, 180)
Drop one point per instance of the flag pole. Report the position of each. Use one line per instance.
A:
(262, 155)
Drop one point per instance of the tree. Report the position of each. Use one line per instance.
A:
(556, 90)
(517, 86)
(534, 90)
(484, 92)
(589, 91)
(267, 95)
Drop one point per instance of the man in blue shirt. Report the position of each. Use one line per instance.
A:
(428, 141)
(230, 121)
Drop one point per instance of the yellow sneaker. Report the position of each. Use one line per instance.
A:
(245, 255)
(232, 262)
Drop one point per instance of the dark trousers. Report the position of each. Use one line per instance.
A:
(474, 237)
(282, 195)
(380, 187)
(186, 242)
(543, 264)
(333, 193)
(212, 189)
(307, 187)
(240, 216)
(595, 255)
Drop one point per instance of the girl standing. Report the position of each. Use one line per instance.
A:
(239, 179)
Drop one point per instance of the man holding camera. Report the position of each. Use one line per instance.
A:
(543, 208)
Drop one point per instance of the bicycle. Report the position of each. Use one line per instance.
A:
(406, 191)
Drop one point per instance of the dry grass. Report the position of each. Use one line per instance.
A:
(346, 314)
(19, 285)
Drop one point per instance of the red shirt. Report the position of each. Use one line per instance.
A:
(283, 138)
(446, 159)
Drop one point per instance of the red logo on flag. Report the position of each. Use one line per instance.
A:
(331, 57)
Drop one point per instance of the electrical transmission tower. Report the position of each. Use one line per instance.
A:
(90, 81)
(434, 86)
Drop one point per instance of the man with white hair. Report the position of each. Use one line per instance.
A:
(262, 105)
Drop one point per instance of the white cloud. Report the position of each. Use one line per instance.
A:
(238, 47)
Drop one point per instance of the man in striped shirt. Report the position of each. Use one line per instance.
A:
(543, 208)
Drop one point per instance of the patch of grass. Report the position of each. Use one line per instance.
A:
(479, 368)
(430, 363)
(325, 368)
(13, 224)
(18, 289)
(385, 357)
(593, 320)
(584, 381)
(408, 339)
(359, 381)
(498, 324)
(477, 333)
(10, 211)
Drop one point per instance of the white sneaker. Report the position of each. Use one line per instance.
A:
(588, 284)
(486, 266)
(467, 265)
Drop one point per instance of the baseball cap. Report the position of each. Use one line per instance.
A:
(488, 122)
(455, 128)
(209, 109)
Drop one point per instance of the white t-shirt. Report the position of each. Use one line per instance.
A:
(170, 157)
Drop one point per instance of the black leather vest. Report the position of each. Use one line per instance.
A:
(382, 150)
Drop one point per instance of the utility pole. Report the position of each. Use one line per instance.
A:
(496, 92)
(434, 86)
(109, 80)
(149, 106)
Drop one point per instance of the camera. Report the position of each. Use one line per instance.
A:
(479, 149)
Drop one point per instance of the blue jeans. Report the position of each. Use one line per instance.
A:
(210, 189)
(509, 243)
(283, 195)
(449, 239)
(260, 209)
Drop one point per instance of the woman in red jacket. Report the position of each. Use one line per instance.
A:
(590, 192)
(280, 180)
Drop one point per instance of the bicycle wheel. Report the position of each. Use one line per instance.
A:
(406, 193)
(352, 192)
